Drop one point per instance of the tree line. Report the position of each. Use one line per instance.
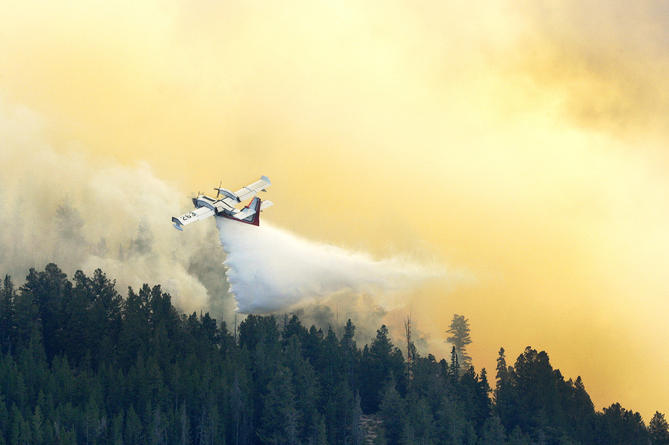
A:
(79, 364)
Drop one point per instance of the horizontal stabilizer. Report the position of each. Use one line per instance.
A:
(266, 204)
(251, 213)
(244, 213)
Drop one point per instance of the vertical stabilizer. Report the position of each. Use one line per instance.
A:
(255, 206)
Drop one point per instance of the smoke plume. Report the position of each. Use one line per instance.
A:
(85, 213)
(81, 213)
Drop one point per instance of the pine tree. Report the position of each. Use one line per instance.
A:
(484, 405)
(319, 436)
(460, 338)
(493, 432)
(504, 393)
(470, 438)
(104, 315)
(349, 354)
(158, 428)
(47, 291)
(7, 314)
(5, 425)
(580, 411)
(117, 429)
(143, 242)
(379, 362)
(356, 430)
(619, 426)
(93, 422)
(37, 426)
(279, 414)
(518, 438)
(393, 413)
(236, 406)
(659, 429)
(501, 369)
(451, 425)
(305, 382)
(133, 427)
(454, 370)
(421, 427)
(16, 420)
(184, 426)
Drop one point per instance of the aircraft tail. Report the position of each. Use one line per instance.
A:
(251, 213)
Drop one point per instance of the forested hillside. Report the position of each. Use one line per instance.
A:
(80, 364)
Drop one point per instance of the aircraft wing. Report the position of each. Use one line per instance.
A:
(192, 216)
(251, 190)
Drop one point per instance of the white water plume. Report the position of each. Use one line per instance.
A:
(271, 269)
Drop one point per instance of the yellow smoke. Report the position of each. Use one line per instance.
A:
(523, 143)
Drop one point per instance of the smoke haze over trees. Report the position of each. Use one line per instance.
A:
(81, 364)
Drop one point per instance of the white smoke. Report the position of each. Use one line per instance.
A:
(84, 213)
(271, 269)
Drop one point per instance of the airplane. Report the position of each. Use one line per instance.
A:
(226, 206)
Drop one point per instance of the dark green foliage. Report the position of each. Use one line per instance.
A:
(81, 365)
(659, 429)
(517, 437)
(493, 432)
(419, 425)
(616, 425)
(380, 362)
(280, 418)
(8, 327)
(393, 414)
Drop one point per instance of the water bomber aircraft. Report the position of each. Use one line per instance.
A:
(226, 204)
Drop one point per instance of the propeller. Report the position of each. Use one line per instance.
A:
(218, 190)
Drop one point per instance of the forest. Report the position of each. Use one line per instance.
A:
(81, 364)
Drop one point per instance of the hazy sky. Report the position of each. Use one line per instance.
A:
(524, 142)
